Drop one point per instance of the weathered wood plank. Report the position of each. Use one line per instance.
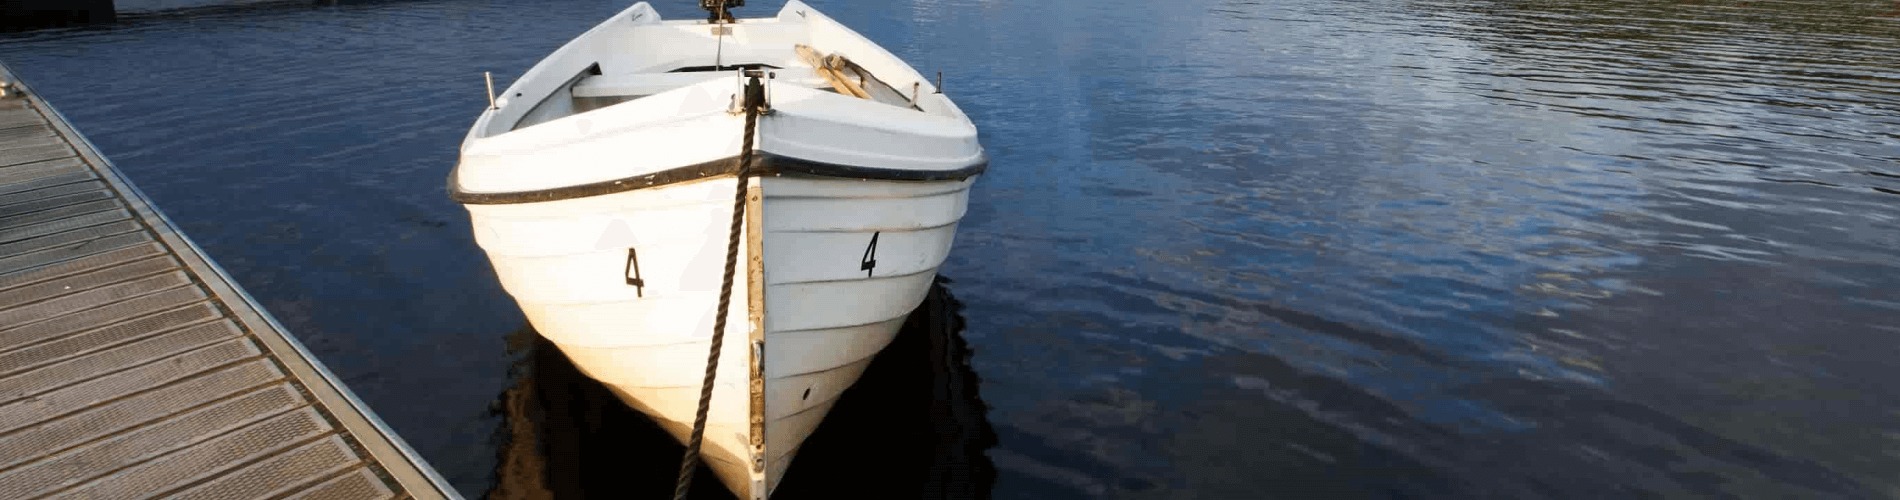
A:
(359, 484)
(56, 435)
(132, 367)
(60, 402)
(278, 474)
(48, 199)
(79, 265)
(56, 328)
(96, 459)
(72, 244)
(207, 459)
(76, 175)
(113, 360)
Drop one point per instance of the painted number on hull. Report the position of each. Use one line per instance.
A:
(869, 261)
(633, 274)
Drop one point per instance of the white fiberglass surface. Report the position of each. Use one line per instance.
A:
(635, 55)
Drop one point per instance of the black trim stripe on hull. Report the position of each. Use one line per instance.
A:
(766, 164)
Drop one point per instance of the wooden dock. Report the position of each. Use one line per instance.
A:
(132, 366)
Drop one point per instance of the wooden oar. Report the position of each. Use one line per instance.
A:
(832, 69)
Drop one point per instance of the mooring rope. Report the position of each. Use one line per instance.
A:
(753, 104)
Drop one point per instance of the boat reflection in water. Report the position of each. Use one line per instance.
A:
(912, 427)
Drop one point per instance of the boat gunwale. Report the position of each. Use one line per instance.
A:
(764, 164)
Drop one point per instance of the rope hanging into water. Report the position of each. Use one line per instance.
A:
(754, 103)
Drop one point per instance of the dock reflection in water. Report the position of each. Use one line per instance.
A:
(912, 427)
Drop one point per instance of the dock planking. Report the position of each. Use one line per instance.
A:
(131, 366)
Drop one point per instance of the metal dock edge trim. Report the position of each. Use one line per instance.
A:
(253, 313)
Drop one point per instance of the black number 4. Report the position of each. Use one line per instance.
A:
(870, 256)
(633, 274)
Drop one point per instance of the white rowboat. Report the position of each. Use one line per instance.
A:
(601, 185)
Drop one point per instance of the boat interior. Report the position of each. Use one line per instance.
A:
(696, 52)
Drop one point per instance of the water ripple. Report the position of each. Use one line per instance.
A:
(1336, 248)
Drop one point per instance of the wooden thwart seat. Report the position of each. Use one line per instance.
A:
(641, 84)
(646, 84)
(830, 72)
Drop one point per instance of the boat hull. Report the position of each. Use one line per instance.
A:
(601, 185)
(626, 284)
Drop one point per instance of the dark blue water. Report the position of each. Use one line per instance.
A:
(1317, 249)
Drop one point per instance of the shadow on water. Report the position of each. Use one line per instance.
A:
(913, 426)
